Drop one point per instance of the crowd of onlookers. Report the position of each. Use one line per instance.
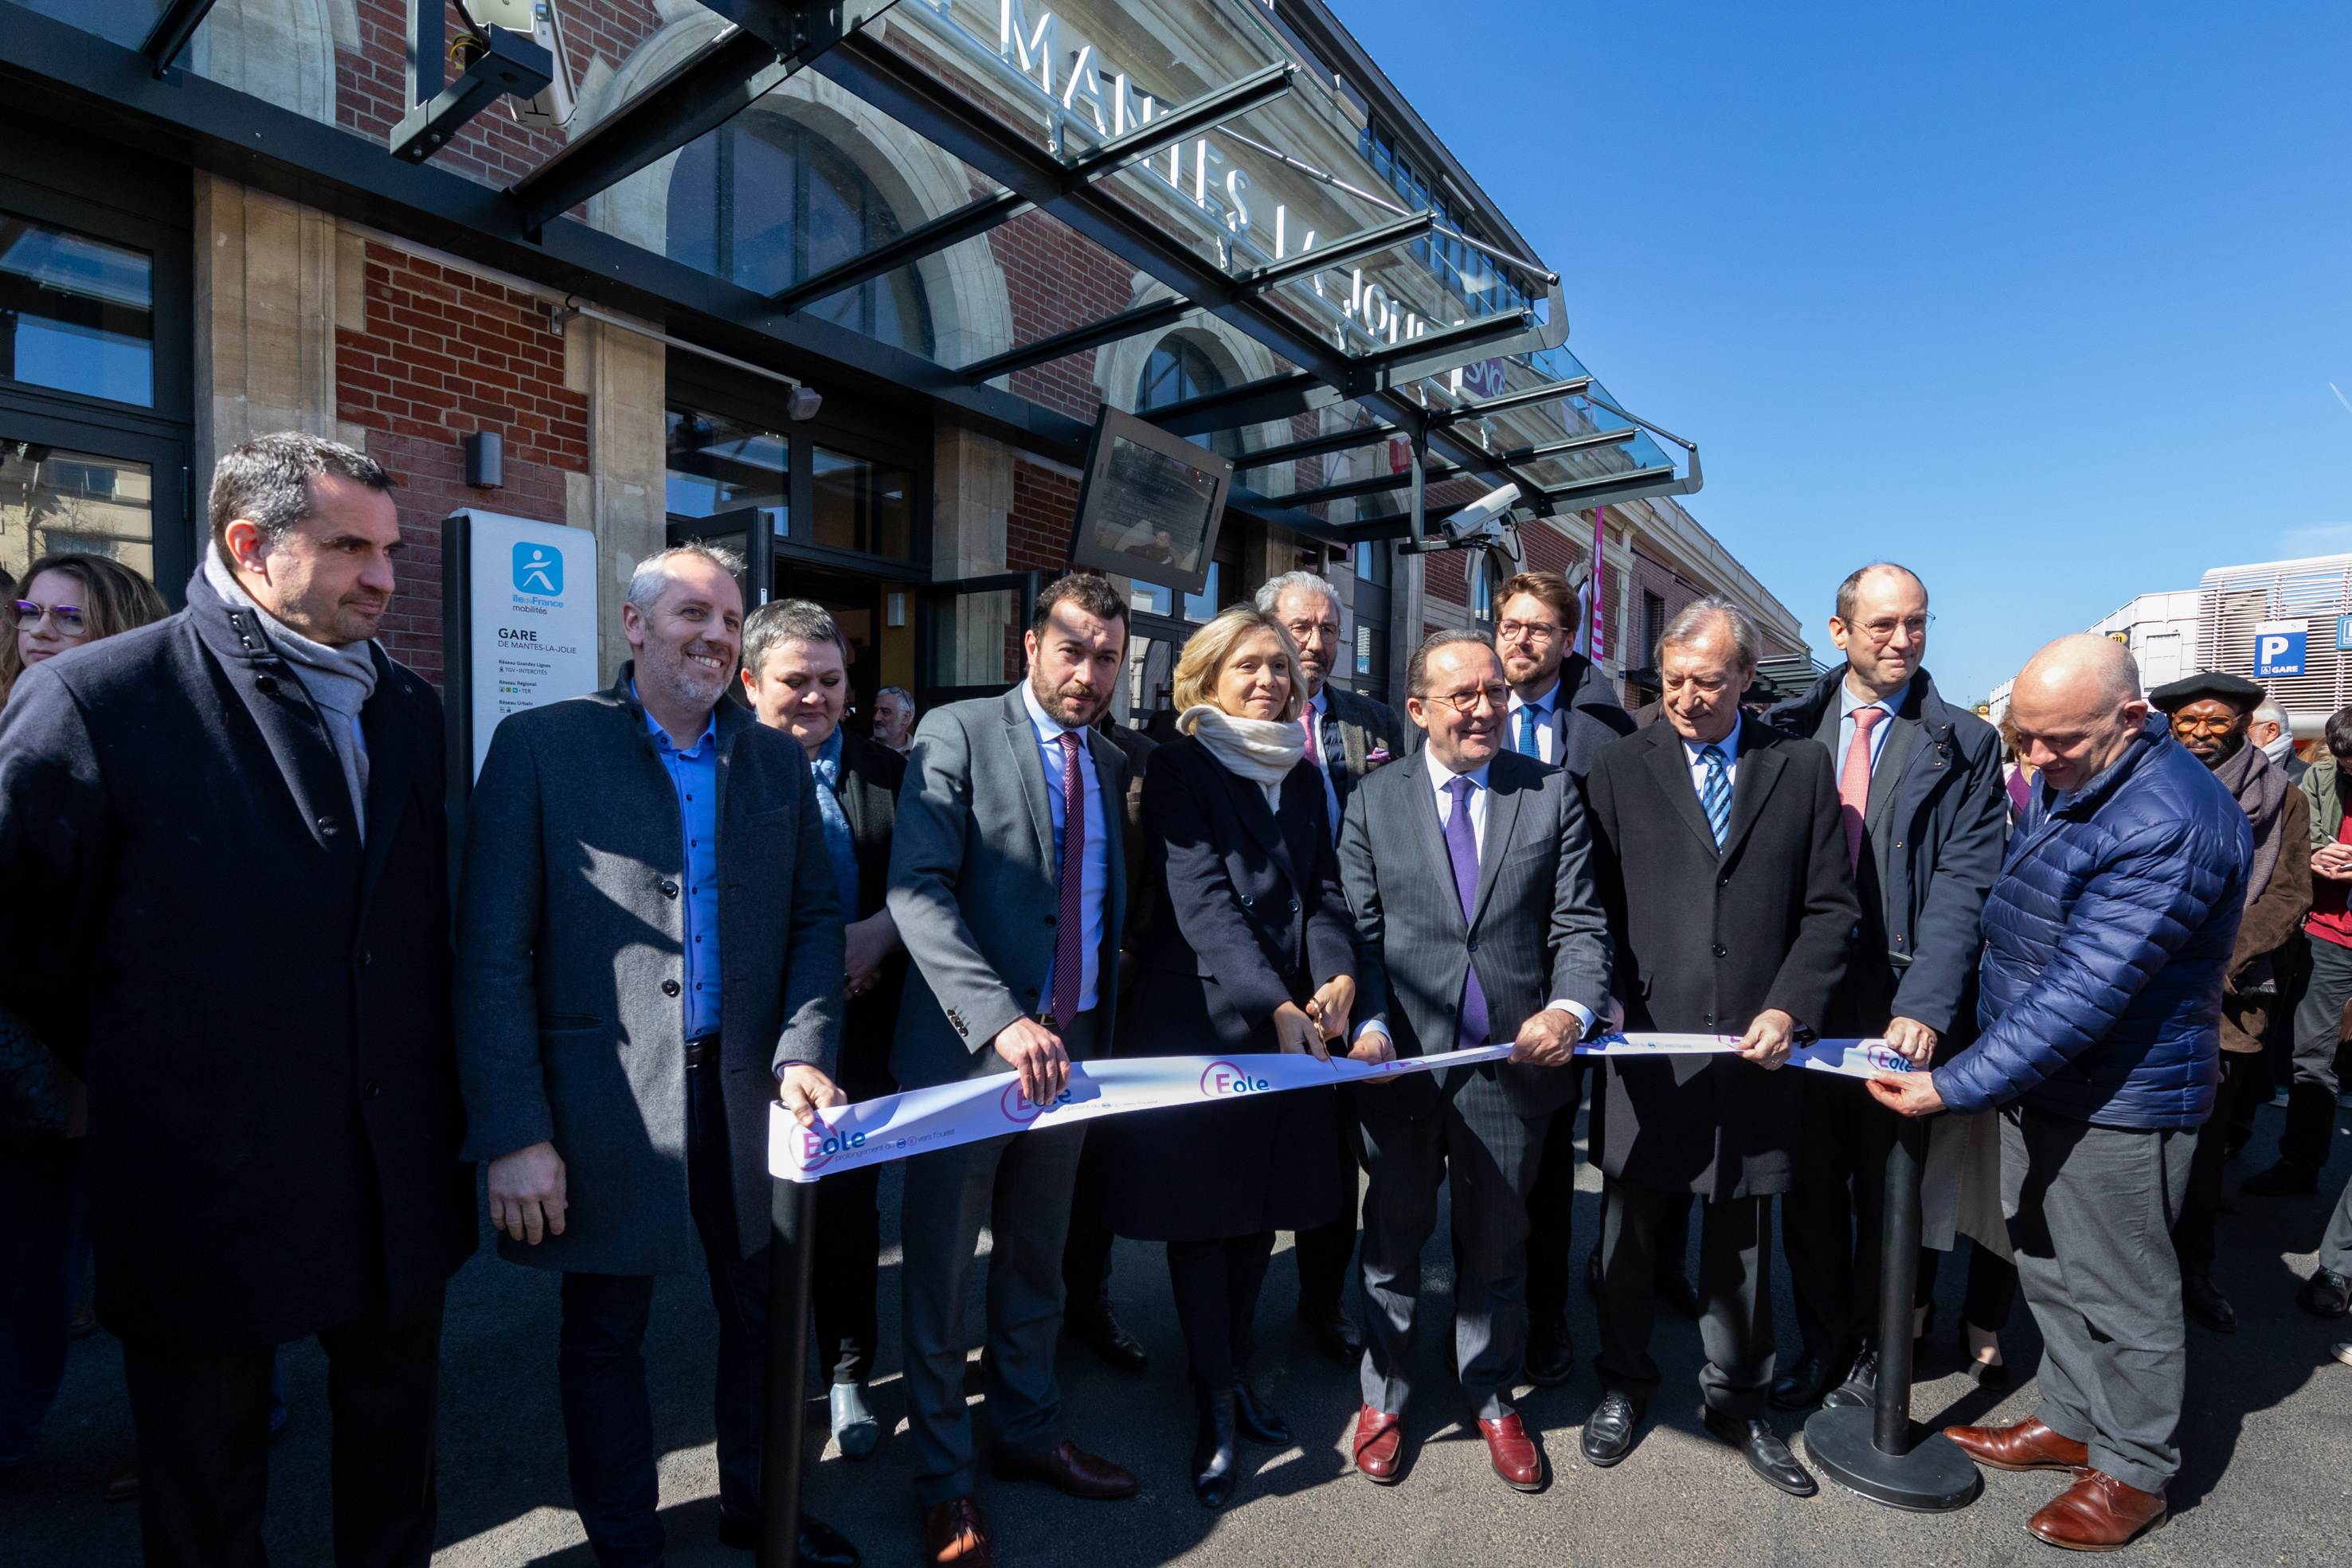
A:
(241, 1000)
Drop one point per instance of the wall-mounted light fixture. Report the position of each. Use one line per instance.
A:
(485, 460)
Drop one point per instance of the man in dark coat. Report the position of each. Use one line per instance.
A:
(1469, 868)
(2211, 714)
(650, 952)
(2107, 947)
(1348, 737)
(267, 1161)
(1926, 820)
(1563, 713)
(1722, 863)
(796, 677)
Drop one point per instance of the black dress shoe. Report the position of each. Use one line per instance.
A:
(1802, 1386)
(818, 1545)
(1766, 1453)
(1257, 1420)
(1860, 1389)
(1335, 1332)
(1609, 1431)
(2208, 1305)
(1100, 1328)
(1673, 1288)
(2327, 1294)
(1214, 1463)
(2280, 1181)
(1990, 1374)
(1551, 1358)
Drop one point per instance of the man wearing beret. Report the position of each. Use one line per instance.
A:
(2212, 718)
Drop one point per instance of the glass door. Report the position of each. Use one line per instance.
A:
(969, 636)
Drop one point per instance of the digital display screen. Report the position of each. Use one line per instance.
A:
(1151, 509)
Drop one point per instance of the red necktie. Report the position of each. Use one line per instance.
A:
(1853, 780)
(1069, 928)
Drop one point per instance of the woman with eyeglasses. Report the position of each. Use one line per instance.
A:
(68, 600)
(64, 601)
(1246, 945)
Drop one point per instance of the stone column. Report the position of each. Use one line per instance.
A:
(620, 498)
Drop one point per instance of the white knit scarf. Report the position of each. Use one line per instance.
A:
(1263, 751)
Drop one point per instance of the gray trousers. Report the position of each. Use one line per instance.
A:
(2091, 1211)
(2318, 1026)
(1735, 1293)
(1019, 1186)
(2336, 1247)
(1488, 1154)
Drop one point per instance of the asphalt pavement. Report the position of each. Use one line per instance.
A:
(2267, 1439)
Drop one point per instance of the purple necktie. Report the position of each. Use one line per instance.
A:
(1461, 848)
(1069, 929)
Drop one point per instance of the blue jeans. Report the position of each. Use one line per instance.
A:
(44, 1247)
(608, 1422)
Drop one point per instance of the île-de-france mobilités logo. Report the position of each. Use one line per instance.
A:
(539, 569)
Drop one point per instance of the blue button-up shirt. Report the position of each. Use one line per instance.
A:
(1094, 879)
(694, 773)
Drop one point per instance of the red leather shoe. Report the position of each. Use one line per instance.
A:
(1379, 1446)
(2027, 1446)
(1517, 1459)
(2097, 1513)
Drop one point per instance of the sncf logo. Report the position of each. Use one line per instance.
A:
(1220, 1080)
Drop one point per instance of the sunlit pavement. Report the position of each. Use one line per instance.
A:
(2267, 1438)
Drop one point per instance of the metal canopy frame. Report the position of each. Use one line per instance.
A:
(94, 84)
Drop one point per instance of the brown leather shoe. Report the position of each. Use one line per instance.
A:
(1379, 1446)
(954, 1535)
(2097, 1513)
(1514, 1455)
(1069, 1469)
(2028, 1446)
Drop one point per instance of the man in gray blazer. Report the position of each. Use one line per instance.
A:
(1470, 872)
(1009, 904)
(649, 954)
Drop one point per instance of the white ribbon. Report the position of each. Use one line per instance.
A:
(893, 1126)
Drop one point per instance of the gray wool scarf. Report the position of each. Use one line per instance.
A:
(339, 680)
(2261, 787)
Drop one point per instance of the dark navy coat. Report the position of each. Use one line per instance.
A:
(259, 999)
(2107, 943)
(1246, 915)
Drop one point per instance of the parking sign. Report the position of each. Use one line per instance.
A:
(2279, 648)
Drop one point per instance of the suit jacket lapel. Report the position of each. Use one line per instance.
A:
(1249, 803)
(1029, 767)
(1502, 812)
(1426, 828)
(1760, 769)
(1672, 770)
(1886, 778)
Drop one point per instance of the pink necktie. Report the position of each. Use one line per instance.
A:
(1313, 743)
(1069, 929)
(1853, 780)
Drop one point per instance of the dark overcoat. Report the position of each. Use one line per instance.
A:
(1707, 940)
(870, 776)
(571, 956)
(1250, 915)
(257, 993)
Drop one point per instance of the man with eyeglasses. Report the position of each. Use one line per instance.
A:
(1469, 869)
(1722, 861)
(1921, 796)
(1348, 737)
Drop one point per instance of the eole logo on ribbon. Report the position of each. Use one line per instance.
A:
(820, 1143)
(1019, 1109)
(1223, 1079)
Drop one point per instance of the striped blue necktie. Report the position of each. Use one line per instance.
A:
(1526, 742)
(1717, 796)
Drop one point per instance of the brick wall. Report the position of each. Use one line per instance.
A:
(446, 354)
(1037, 530)
(1055, 280)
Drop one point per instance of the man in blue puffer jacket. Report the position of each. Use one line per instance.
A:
(2107, 940)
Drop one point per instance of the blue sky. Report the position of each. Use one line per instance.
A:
(2041, 300)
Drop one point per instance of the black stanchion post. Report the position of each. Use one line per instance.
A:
(1871, 1452)
(792, 1265)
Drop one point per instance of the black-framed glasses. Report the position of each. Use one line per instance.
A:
(1532, 631)
(1467, 702)
(65, 618)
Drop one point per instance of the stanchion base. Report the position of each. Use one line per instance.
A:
(1934, 1477)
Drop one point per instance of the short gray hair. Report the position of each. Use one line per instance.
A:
(645, 583)
(902, 693)
(790, 620)
(2271, 712)
(1694, 621)
(267, 481)
(1270, 591)
(1416, 669)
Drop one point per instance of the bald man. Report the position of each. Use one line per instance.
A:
(2107, 941)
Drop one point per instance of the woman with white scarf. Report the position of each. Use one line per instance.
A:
(1245, 945)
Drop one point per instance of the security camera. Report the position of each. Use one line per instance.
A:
(1482, 518)
(801, 404)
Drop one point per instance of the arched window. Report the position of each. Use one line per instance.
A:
(765, 202)
(1179, 369)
